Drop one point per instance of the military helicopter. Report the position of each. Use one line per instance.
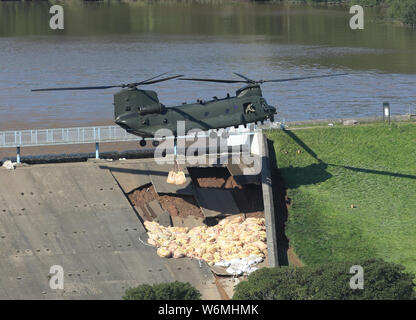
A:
(139, 111)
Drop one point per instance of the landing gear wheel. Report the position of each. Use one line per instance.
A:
(213, 135)
(155, 143)
(142, 143)
(225, 135)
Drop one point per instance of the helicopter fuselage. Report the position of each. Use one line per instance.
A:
(139, 111)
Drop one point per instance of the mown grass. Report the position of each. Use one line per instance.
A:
(371, 167)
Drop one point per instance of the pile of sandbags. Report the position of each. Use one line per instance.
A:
(231, 238)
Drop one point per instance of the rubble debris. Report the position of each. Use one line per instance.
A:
(181, 206)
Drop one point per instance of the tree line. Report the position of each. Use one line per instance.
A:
(401, 10)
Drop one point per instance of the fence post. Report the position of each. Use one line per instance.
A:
(18, 154)
(97, 150)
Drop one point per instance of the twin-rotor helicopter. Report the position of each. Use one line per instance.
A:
(141, 113)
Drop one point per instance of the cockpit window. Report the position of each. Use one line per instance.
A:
(249, 108)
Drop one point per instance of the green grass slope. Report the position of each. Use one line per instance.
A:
(326, 170)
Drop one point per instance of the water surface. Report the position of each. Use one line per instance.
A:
(114, 43)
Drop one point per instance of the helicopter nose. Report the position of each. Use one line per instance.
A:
(123, 123)
(272, 110)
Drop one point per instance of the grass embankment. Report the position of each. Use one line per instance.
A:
(327, 171)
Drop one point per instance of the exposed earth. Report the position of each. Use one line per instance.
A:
(248, 198)
(176, 205)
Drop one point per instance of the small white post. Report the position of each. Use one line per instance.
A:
(97, 151)
(18, 154)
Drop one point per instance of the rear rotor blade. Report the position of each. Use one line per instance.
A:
(79, 88)
(213, 80)
(302, 78)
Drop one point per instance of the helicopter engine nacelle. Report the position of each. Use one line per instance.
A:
(135, 100)
(152, 108)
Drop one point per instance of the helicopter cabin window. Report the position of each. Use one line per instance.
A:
(206, 114)
(227, 111)
(249, 108)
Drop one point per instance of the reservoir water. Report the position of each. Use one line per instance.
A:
(110, 43)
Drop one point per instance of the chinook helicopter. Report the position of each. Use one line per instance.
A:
(139, 111)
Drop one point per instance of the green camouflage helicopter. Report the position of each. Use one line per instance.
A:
(139, 111)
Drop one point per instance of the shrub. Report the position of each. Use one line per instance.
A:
(404, 10)
(163, 291)
(142, 292)
(382, 281)
(369, 3)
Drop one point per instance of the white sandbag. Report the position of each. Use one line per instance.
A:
(245, 265)
(223, 263)
(9, 165)
(180, 178)
(171, 177)
(234, 270)
(252, 269)
(163, 252)
(253, 259)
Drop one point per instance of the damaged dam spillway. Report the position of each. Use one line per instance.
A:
(88, 218)
(75, 215)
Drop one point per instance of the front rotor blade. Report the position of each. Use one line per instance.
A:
(302, 78)
(160, 80)
(77, 88)
(138, 83)
(213, 80)
(244, 77)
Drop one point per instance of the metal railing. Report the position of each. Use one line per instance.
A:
(81, 135)
(59, 136)
(84, 135)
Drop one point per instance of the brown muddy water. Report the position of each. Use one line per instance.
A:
(120, 42)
